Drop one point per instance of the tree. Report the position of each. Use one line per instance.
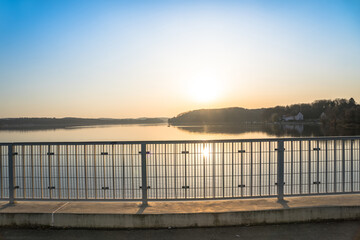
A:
(275, 117)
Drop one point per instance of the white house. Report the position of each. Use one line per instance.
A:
(298, 117)
(288, 118)
(323, 116)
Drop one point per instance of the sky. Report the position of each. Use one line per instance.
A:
(104, 58)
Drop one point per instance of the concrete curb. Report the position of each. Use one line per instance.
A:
(180, 220)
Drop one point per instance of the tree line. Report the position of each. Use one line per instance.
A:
(329, 112)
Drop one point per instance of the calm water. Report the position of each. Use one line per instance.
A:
(179, 170)
(165, 132)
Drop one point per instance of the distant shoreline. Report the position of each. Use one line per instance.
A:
(309, 122)
(66, 123)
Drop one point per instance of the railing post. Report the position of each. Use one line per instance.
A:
(143, 175)
(280, 170)
(11, 173)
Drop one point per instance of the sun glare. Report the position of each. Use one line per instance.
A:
(205, 151)
(204, 88)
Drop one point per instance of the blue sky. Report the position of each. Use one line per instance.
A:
(160, 58)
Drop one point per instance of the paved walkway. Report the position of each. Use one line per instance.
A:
(179, 213)
(170, 207)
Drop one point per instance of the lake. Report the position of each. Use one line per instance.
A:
(165, 132)
(196, 170)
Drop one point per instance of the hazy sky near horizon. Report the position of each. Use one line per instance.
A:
(88, 58)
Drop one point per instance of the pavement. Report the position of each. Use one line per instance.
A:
(215, 213)
(183, 207)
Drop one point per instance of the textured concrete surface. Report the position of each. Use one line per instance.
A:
(343, 230)
(180, 214)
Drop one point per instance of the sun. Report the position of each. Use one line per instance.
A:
(205, 151)
(204, 88)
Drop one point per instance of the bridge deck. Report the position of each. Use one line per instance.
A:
(179, 213)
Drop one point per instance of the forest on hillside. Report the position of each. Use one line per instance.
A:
(344, 112)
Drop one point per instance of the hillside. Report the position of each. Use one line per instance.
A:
(338, 112)
(218, 116)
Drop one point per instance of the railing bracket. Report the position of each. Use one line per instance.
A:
(277, 183)
(280, 149)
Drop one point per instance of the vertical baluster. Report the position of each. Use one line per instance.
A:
(132, 169)
(58, 172)
(317, 166)
(292, 167)
(104, 171)
(1, 172)
(269, 174)
(204, 171)
(166, 175)
(95, 175)
(352, 165)
(280, 170)
(143, 174)
(196, 157)
(67, 171)
(343, 165)
(223, 168)
(242, 170)
(300, 161)
(95, 172)
(175, 156)
(232, 169)
(123, 170)
(185, 175)
(260, 166)
(156, 168)
(41, 173)
(23, 170)
(326, 166)
(251, 168)
(309, 166)
(49, 171)
(214, 169)
(85, 172)
(335, 173)
(113, 169)
(11, 173)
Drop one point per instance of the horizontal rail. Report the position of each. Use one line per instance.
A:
(179, 170)
(184, 141)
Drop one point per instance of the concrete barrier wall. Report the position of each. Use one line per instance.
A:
(73, 220)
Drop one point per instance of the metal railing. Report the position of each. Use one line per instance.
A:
(179, 170)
